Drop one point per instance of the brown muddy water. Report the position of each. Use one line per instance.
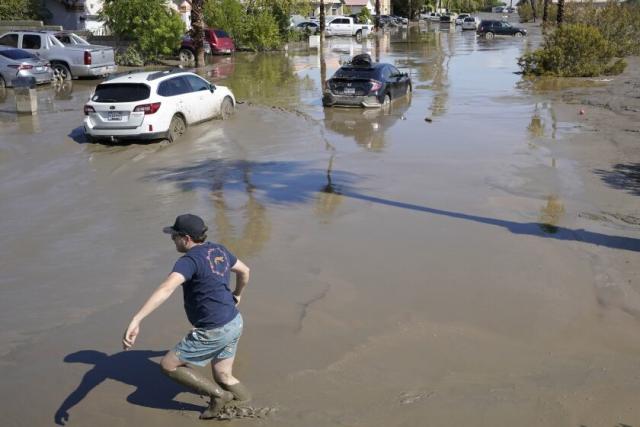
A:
(468, 270)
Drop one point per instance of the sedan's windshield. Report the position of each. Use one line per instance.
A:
(121, 92)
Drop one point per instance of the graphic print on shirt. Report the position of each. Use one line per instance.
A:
(218, 261)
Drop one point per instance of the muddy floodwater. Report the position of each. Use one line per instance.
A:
(479, 268)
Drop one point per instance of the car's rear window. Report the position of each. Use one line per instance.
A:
(121, 92)
(469, 19)
(355, 72)
(220, 33)
(17, 54)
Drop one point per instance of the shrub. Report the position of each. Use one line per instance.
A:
(155, 29)
(618, 23)
(130, 58)
(262, 32)
(21, 9)
(573, 50)
(365, 15)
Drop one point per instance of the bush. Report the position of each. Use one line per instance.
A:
(573, 50)
(154, 28)
(618, 23)
(130, 58)
(364, 16)
(21, 9)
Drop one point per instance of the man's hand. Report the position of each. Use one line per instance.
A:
(237, 298)
(130, 335)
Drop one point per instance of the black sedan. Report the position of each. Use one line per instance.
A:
(363, 83)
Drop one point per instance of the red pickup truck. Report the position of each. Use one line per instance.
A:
(216, 42)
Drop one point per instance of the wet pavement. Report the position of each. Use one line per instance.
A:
(405, 271)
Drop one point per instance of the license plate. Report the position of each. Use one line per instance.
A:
(114, 116)
(349, 91)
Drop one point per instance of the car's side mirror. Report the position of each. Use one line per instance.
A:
(212, 88)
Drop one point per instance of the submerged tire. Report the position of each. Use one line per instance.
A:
(387, 99)
(186, 56)
(176, 128)
(518, 34)
(488, 35)
(61, 70)
(226, 108)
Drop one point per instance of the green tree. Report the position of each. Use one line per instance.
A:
(149, 24)
(21, 9)
(365, 15)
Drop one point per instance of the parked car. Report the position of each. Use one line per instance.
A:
(470, 23)
(364, 83)
(345, 26)
(460, 18)
(448, 18)
(68, 61)
(153, 105)
(308, 26)
(430, 16)
(491, 28)
(16, 63)
(216, 42)
(20, 63)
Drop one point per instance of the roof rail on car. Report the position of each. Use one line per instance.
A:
(163, 73)
(122, 74)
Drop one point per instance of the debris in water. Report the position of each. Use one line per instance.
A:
(428, 119)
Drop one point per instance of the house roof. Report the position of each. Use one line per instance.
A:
(356, 2)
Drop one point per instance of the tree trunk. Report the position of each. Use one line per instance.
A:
(533, 10)
(197, 30)
(377, 20)
(560, 12)
(322, 24)
(545, 12)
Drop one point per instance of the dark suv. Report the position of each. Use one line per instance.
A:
(490, 28)
(365, 83)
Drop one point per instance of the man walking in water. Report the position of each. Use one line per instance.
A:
(204, 272)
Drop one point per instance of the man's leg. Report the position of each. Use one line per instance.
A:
(223, 373)
(177, 370)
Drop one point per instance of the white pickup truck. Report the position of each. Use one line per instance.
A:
(345, 26)
(70, 55)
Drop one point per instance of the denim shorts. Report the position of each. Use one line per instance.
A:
(202, 345)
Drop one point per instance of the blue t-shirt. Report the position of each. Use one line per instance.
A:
(207, 297)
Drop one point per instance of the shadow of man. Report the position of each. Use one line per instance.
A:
(133, 367)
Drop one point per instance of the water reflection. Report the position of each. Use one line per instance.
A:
(551, 213)
(366, 126)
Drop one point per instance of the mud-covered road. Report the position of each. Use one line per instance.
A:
(479, 268)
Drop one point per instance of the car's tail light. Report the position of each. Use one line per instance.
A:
(375, 85)
(88, 109)
(21, 66)
(87, 57)
(148, 108)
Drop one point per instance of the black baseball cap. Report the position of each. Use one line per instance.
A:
(191, 225)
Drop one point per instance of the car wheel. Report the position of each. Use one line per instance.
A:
(186, 56)
(518, 34)
(61, 71)
(176, 128)
(359, 35)
(226, 109)
(488, 35)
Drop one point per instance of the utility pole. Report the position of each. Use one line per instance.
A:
(560, 12)
(377, 20)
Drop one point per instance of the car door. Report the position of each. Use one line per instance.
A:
(398, 80)
(178, 91)
(205, 99)
(504, 29)
(32, 43)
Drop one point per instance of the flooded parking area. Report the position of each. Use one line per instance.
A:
(452, 259)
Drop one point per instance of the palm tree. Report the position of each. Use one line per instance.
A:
(321, 20)
(377, 21)
(545, 13)
(197, 29)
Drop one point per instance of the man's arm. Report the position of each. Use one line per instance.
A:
(156, 299)
(242, 278)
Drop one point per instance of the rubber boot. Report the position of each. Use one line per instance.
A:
(239, 391)
(190, 378)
